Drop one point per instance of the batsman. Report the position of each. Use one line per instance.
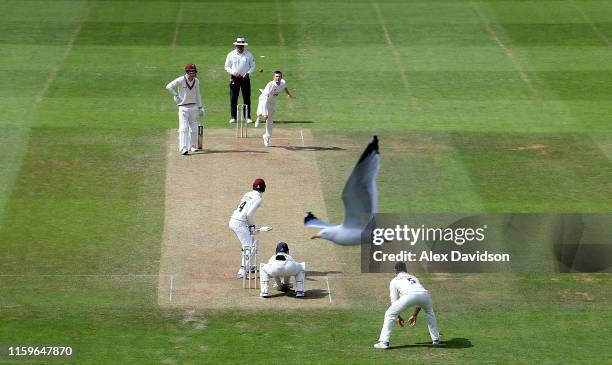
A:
(186, 92)
(241, 221)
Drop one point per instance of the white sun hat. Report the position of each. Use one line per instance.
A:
(241, 42)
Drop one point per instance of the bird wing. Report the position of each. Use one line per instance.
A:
(360, 195)
(311, 221)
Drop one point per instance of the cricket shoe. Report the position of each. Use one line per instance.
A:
(249, 121)
(381, 345)
(232, 120)
(299, 294)
(257, 123)
(436, 343)
(266, 141)
(264, 295)
(184, 151)
(194, 149)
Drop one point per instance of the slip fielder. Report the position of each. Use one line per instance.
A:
(267, 104)
(406, 291)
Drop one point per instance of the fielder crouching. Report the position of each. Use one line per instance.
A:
(282, 267)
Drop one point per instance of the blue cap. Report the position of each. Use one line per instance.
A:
(282, 247)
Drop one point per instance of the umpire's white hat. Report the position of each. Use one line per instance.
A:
(241, 42)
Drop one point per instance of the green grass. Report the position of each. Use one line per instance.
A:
(505, 109)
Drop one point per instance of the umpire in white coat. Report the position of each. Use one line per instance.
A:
(282, 267)
(406, 291)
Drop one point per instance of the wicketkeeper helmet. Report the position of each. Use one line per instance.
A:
(282, 247)
(259, 185)
(190, 67)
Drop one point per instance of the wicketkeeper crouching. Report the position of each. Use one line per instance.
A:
(282, 267)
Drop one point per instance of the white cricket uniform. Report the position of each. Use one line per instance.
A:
(242, 217)
(189, 92)
(282, 267)
(242, 63)
(267, 104)
(406, 291)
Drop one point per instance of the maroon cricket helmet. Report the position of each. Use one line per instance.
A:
(259, 185)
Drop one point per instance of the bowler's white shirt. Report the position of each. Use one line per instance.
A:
(404, 284)
(242, 63)
(188, 91)
(272, 90)
(247, 207)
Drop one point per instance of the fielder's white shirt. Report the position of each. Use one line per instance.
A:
(271, 91)
(404, 284)
(247, 207)
(188, 91)
(242, 63)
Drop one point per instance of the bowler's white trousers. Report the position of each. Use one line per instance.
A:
(417, 298)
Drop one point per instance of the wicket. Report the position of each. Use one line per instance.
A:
(251, 264)
(242, 112)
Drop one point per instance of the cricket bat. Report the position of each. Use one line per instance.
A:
(200, 132)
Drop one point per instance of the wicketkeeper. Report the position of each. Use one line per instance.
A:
(282, 267)
(242, 222)
(186, 92)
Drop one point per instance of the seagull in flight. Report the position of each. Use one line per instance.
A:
(360, 198)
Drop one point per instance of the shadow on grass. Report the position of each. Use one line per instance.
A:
(321, 273)
(309, 148)
(292, 122)
(454, 343)
(209, 152)
(310, 294)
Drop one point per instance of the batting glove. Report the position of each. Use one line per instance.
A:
(201, 111)
(177, 99)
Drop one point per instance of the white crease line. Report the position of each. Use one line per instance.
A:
(397, 56)
(279, 22)
(83, 275)
(73, 37)
(507, 51)
(328, 290)
(302, 136)
(594, 28)
(171, 286)
(179, 17)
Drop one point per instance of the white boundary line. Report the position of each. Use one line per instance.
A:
(328, 290)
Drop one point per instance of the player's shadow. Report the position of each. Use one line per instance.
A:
(453, 343)
(321, 273)
(210, 152)
(293, 122)
(310, 294)
(309, 148)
